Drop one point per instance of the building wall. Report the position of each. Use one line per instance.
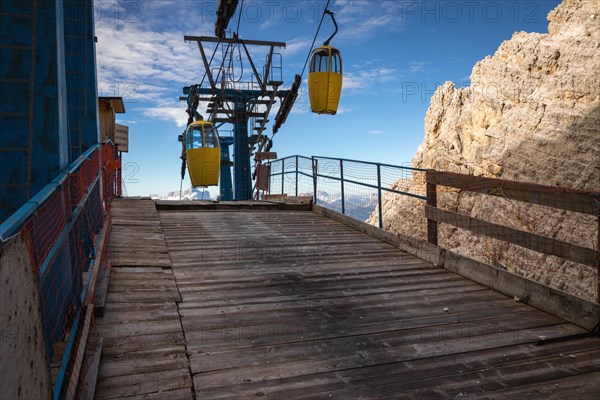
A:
(80, 65)
(41, 130)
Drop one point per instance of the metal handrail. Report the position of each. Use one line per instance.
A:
(295, 170)
(15, 221)
(416, 196)
(370, 163)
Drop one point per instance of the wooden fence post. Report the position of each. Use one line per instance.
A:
(432, 226)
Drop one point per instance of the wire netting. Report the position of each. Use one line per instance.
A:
(291, 176)
(354, 188)
(358, 188)
(111, 173)
(305, 177)
(63, 236)
(275, 179)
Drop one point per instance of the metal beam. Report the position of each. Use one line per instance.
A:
(242, 177)
(226, 184)
(210, 39)
(268, 67)
(207, 67)
(225, 10)
(260, 82)
(184, 98)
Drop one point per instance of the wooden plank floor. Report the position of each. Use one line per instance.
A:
(143, 353)
(289, 304)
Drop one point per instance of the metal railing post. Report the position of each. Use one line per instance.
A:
(283, 176)
(432, 225)
(315, 170)
(119, 178)
(342, 185)
(379, 196)
(296, 175)
(270, 176)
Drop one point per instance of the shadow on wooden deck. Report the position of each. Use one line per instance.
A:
(231, 304)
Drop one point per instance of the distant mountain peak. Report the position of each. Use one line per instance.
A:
(188, 194)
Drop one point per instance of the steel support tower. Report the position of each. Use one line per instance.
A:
(236, 102)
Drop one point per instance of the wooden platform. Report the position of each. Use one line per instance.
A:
(143, 341)
(282, 304)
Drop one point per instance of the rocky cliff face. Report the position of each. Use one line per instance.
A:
(532, 114)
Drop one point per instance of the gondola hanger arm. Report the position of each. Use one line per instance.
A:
(330, 13)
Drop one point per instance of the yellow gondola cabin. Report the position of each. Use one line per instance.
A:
(203, 153)
(325, 80)
(325, 76)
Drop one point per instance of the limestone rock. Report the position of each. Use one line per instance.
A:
(531, 114)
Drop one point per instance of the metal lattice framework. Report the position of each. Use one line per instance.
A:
(237, 102)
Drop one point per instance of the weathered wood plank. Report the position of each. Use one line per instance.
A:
(230, 335)
(358, 304)
(177, 394)
(150, 295)
(139, 328)
(521, 238)
(136, 262)
(342, 383)
(584, 386)
(144, 347)
(571, 308)
(360, 319)
(142, 364)
(137, 346)
(372, 349)
(198, 300)
(149, 383)
(442, 377)
(101, 289)
(79, 353)
(23, 352)
(576, 310)
(131, 315)
(94, 352)
(565, 199)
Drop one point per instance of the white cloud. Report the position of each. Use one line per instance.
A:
(266, 25)
(366, 18)
(126, 121)
(159, 57)
(417, 66)
(376, 132)
(166, 113)
(359, 77)
(297, 45)
(146, 65)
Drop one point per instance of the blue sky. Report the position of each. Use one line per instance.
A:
(395, 54)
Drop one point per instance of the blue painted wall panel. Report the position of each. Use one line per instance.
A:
(47, 66)
(81, 75)
(17, 7)
(16, 59)
(10, 25)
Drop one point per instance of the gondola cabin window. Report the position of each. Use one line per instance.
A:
(194, 137)
(210, 137)
(320, 62)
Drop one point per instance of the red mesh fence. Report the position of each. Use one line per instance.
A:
(63, 237)
(82, 178)
(111, 164)
(43, 229)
